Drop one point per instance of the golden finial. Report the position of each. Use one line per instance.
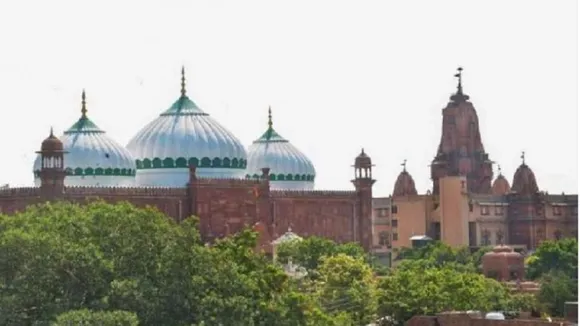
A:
(269, 117)
(183, 81)
(84, 105)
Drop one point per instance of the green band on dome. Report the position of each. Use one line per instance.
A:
(285, 177)
(117, 172)
(182, 162)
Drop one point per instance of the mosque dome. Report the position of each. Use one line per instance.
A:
(500, 185)
(290, 169)
(93, 159)
(405, 185)
(524, 180)
(181, 136)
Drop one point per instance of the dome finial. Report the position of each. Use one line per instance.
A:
(459, 84)
(83, 104)
(499, 169)
(183, 81)
(51, 132)
(269, 117)
(404, 165)
(523, 157)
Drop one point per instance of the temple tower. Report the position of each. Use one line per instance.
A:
(461, 151)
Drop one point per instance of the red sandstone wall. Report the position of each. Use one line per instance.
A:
(223, 210)
(315, 213)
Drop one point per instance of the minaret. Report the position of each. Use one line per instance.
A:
(460, 151)
(52, 172)
(363, 183)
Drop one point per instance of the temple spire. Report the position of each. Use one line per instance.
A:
(83, 105)
(269, 117)
(51, 132)
(459, 96)
(523, 157)
(459, 82)
(183, 81)
(404, 165)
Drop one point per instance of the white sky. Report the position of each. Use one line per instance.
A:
(340, 75)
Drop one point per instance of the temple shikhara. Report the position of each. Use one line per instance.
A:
(186, 163)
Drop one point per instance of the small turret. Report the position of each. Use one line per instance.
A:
(52, 172)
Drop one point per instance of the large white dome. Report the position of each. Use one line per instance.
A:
(290, 169)
(93, 159)
(181, 136)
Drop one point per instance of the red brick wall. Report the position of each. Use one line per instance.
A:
(315, 213)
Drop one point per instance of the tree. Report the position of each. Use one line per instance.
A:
(309, 252)
(561, 255)
(439, 254)
(409, 292)
(347, 285)
(89, 261)
(556, 289)
(88, 317)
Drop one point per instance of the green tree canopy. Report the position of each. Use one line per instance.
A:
(560, 255)
(418, 291)
(556, 289)
(309, 252)
(61, 262)
(439, 254)
(96, 318)
(347, 286)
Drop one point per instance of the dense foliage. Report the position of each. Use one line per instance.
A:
(558, 256)
(116, 264)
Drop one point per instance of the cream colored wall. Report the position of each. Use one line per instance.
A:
(411, 219)
(453, 203)
(493, 221)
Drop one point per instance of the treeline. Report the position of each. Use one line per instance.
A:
(103, 264)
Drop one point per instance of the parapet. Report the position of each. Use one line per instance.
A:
(20, 192)
(228, 182)
(125, 191)
(312, 193)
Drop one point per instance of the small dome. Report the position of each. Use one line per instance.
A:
(362, 160)
(405, 185)
(93, 159)
(181, 136)
(524, 180)
(500, 185)
(290, 169)
(287, 237)
(51, 144)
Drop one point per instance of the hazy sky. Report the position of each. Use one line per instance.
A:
(339, 75)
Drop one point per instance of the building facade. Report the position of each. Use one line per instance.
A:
(465, 207)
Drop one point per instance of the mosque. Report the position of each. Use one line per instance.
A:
(186, 163)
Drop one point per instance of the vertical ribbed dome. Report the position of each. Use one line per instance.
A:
(524, 179)
(93, 158)
(405, 185)
(289, 167)
(181, 136)
(500, 185)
